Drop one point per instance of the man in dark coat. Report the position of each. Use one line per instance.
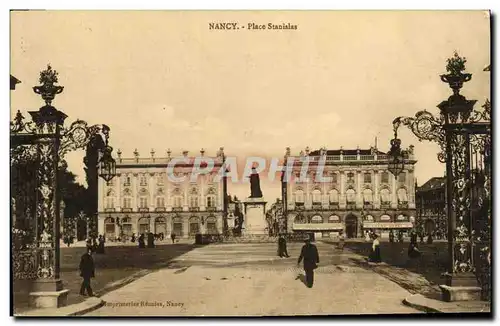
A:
(282, 251)
(87, 271)
(310, 255)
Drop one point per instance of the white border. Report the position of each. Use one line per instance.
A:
(186, 4)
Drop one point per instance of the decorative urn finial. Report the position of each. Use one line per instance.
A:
(47, 89)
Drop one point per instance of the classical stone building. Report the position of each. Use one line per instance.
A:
(144, 197)
(431, 207)
(361, 195)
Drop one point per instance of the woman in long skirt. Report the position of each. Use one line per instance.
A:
(375, 256)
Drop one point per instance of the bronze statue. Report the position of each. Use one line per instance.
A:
(255, 191)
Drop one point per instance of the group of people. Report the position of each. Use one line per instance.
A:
(96, 244)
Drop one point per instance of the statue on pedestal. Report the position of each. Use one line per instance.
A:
(255, 191)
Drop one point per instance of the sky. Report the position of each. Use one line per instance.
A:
(163, 80)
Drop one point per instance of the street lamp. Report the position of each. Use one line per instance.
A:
(464, 136)
(396, 156)
(107, 165)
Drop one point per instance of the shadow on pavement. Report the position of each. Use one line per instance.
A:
(301, 277)
(118, 266)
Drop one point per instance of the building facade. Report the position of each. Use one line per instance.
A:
(431, 207)
(143, 197)
(362, 194)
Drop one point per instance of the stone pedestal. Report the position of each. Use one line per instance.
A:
(460, 287)
(255, 217)
(48, 294)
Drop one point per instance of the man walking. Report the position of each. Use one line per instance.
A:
(310, 255)
(86, 272)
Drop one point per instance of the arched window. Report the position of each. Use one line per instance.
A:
(143, 198)
(333, 219)
(143, 225)
(317, 219)
(300, 219)
(333, 196)
(402, 196)
(369, 218)
(385, 196)
(211, 223)
(160, 225)
(367, 196)
(299, 196)
(350, 196)
(194, 225)
(110, 199)
(177, 226)
(109, 228)
(316, 196)
(211, 197)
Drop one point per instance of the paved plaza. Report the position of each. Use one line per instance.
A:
(249, 279)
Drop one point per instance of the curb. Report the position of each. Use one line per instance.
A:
(420, 307)
(93, 307)
(76, 309)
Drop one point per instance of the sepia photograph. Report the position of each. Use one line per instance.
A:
(250, 163)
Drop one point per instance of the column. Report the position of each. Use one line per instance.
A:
(359, 195)
(376, 185)
(117, 183)
(134, 183)
(151, 189)
(185, 226)
(342, 199)
(394, 192)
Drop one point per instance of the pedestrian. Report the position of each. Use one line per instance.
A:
(391, 236)
(413, 251)
(400, 236)
(87, 271)
(151, 240)
(375, 256)
(341, 240)
(282, 251)
(101, 245)
(141, 242)
(172, 236)
(89, 244)
(133, 237)
(310, 255)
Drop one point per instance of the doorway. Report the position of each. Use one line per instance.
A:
(351, 226)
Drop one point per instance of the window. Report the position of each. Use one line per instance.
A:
(127, 181)
(316, 219)
(402, 177)
(127, 202)
(350, 196)
(333, 219)
(177, 201)
(368, 178)
(385, 196)
(299, 196)
(299, 219)
(143, 180)
(193, 201)
(110, 202)
(160, 202)
(333, 196)
(316, 196)
(402, 196)
(334, 178)
(143, 202)
(385, 177)
(210, 201)
(211, 225)
(367, 196)
(350, 177)
(194, 226)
